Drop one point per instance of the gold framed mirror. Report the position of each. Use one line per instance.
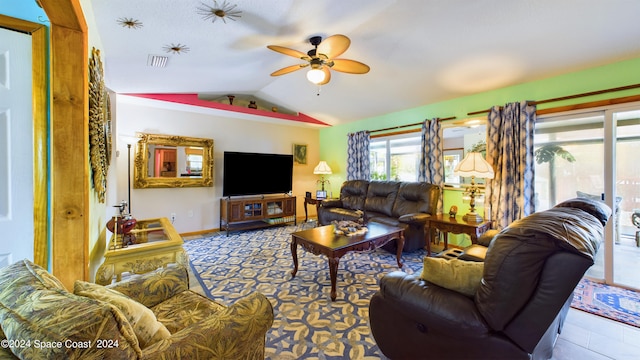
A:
(169, 161)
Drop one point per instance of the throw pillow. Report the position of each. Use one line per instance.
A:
(457, 275)
(145, 325)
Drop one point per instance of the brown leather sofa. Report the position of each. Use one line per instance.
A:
(530, 271)
(404, 204)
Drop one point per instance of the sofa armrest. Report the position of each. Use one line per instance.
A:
(331, 203)
(438, 308)
(154, 287)
(237, 332)
(415, 218)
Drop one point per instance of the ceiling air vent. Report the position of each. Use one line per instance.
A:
(157, 61)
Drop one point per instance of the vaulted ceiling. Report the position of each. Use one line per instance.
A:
(419, 51)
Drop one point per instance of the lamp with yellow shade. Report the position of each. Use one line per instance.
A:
(473, 165)
(322, 169)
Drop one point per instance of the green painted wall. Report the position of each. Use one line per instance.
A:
(333, 140)
(454, 197)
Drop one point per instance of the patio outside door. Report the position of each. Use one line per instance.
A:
(596, 155)
(626, 251)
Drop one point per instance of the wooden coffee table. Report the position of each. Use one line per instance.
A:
(323, 240)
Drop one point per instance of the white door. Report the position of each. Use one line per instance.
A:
(16, 148)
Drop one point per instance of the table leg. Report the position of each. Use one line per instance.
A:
(306, 217)
(446, 239)
(400, 246)
(333, 274)
(428, 236)
(318, 204)
(474, 238)
(294, 253)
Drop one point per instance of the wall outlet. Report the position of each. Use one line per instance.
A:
(190, 213)
(173, 217)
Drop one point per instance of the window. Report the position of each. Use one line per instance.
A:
(194, 160)
(395, 157)
(569, 157)
(452, 158)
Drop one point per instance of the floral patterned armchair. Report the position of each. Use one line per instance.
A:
(149, 316)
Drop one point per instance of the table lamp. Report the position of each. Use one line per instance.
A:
(473, 165)
(322, 169)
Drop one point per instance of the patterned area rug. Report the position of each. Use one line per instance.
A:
(608, 301)
(307, 325)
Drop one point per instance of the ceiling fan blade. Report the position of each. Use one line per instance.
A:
(287, 51)
(327, 75)
(334, 46)
(350, 66)
(288, 69)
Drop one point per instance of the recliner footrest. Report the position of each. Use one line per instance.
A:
(450, 254)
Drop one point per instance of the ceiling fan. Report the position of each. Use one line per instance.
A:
(322, 58)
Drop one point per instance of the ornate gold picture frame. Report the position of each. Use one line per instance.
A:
(177, 176)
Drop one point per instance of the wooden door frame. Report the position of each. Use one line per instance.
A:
(69, 140)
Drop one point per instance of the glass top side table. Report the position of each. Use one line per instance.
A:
(151, 244)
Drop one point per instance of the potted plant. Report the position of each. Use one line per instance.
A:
(547, 154)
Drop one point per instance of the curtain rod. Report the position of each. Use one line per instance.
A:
(621, 88)
(408, 125)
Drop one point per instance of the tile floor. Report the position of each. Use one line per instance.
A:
(587, 336)
(626, 258)
(584, 337)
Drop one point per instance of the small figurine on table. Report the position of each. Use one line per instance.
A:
(453, 211)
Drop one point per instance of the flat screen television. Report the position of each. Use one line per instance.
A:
(256, 173)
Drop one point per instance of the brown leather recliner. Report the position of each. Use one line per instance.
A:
(530, 271)
(403, 204)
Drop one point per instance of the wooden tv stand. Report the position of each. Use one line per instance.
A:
(256, 212)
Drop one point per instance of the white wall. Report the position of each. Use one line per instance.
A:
(230, 132)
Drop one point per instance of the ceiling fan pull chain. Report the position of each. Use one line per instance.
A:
(319, 87)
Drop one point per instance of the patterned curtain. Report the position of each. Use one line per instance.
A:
(510, 151)
(358, 156)
(431, 169)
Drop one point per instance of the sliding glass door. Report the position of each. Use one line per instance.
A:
(626, 254)
(595, 155)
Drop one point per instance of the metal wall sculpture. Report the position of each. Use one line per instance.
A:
(99, 125)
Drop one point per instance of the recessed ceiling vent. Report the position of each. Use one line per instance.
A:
(157, 61)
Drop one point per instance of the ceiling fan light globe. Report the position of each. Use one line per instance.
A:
(316, 76)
